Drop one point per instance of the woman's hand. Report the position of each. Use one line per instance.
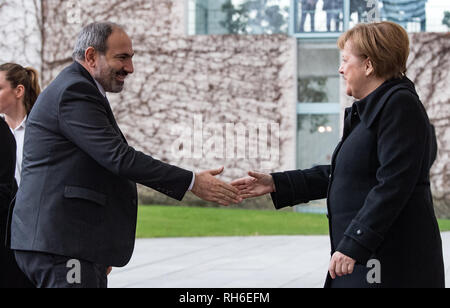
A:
(341, 265)
(258, 184)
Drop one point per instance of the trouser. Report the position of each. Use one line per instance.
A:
(312, 15)
(53, 271)
(11, 277)
(330, 16)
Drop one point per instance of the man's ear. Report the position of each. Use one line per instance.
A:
(90, 57)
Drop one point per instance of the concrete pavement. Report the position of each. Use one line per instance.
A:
(232, 262)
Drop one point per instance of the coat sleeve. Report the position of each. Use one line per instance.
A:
(300, 186)
(403, 134)
(7, 166)
(84, 121)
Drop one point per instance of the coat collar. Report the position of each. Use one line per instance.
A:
(369, 107)
(77, 67)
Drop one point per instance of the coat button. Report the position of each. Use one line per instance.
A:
(359, 232)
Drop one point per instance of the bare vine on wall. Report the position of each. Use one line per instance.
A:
(223, 79)
(428, 68)
(20, 32)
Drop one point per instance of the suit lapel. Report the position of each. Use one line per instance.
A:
(79, 68)
(112, 119)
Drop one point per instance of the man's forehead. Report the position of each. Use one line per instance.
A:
(119, 42)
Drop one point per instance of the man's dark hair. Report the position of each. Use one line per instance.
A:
(93, 35)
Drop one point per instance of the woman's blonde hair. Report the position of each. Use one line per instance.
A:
(385, 43)
(27, 77)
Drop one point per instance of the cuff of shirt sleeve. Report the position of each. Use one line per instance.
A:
(193, 182)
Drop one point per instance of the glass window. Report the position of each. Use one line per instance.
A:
(318, 107)
(238, 16)
(413, 15)
(318, 16)
(417, 15)
(318, 76)
(313, 18)
(318, 135)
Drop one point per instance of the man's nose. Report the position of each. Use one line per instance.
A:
(129, 67)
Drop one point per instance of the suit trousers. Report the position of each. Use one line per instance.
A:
(11, 277)
(58, 272)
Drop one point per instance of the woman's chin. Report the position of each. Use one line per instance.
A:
(349, 92)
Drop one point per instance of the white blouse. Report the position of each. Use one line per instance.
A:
(19, 135)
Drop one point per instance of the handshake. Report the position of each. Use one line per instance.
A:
(209, 188)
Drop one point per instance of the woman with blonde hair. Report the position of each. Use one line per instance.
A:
(383, 229)
(19, 89)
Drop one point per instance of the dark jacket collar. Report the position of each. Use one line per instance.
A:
(78, 68)
(369, 107)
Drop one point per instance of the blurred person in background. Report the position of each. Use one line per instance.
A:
(308, 8)
(333, 9)
(19, 89)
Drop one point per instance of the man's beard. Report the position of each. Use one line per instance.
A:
(107, 77)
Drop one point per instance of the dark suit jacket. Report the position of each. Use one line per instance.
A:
(78, 194)
(7, 169)
(378, 189)
(10, 274)
(8, 186)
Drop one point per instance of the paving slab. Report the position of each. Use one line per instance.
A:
(232, 262)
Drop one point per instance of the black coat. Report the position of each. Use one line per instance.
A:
(77, 196)
(7, 167)
(378, 191)
(10, 274)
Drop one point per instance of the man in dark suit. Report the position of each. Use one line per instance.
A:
(76, 209)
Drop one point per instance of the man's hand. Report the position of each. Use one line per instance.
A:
(258, 184)
(341, 265)
(208, 188)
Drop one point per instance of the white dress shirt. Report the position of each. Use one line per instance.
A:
(19, 135)
(103, 92)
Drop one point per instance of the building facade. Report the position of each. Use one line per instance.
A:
(249, 85)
